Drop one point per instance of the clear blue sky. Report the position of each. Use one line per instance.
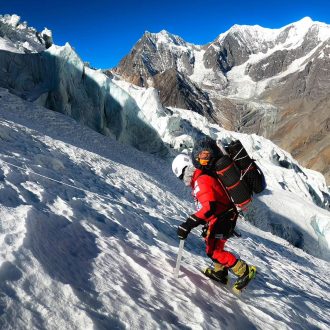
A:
(104, 31)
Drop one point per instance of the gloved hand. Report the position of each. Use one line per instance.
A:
(183, 230)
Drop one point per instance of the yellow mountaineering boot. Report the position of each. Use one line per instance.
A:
(219, 273)
(245, 274)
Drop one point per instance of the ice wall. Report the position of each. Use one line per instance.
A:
(58, 79)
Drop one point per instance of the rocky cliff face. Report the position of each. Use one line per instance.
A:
(304, 100)
(271, 82)
(165, 62)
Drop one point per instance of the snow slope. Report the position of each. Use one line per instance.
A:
(87, 241)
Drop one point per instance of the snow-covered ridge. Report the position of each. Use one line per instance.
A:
(254, 36)
(254, 53)
(165, 37)
(288, 36)
(253, 33)
(17, 36)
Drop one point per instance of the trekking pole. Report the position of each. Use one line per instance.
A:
(178, 260)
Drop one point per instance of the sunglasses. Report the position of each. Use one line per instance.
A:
(204, 157)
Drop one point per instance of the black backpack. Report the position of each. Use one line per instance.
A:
(237, 172)
(250, 171)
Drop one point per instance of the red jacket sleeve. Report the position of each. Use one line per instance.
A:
(206, 197)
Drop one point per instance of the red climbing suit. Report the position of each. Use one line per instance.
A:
(212, 202)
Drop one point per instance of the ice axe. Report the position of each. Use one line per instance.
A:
(178, 260)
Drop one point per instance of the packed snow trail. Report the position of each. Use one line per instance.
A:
(71, 259)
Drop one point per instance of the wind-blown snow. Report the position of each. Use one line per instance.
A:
(87, 239)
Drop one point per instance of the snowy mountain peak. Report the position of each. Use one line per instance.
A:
(304, 22)
(307, 25)
(245, 28)
(17, 36)
(294, 32)
(164, 32)
(167, 38)
(249, 34)
(12, 20)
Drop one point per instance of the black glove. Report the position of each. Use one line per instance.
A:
(183, 231)
(185, 228)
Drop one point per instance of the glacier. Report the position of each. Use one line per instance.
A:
(18, 37)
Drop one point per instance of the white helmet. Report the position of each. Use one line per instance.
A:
(179, 163)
